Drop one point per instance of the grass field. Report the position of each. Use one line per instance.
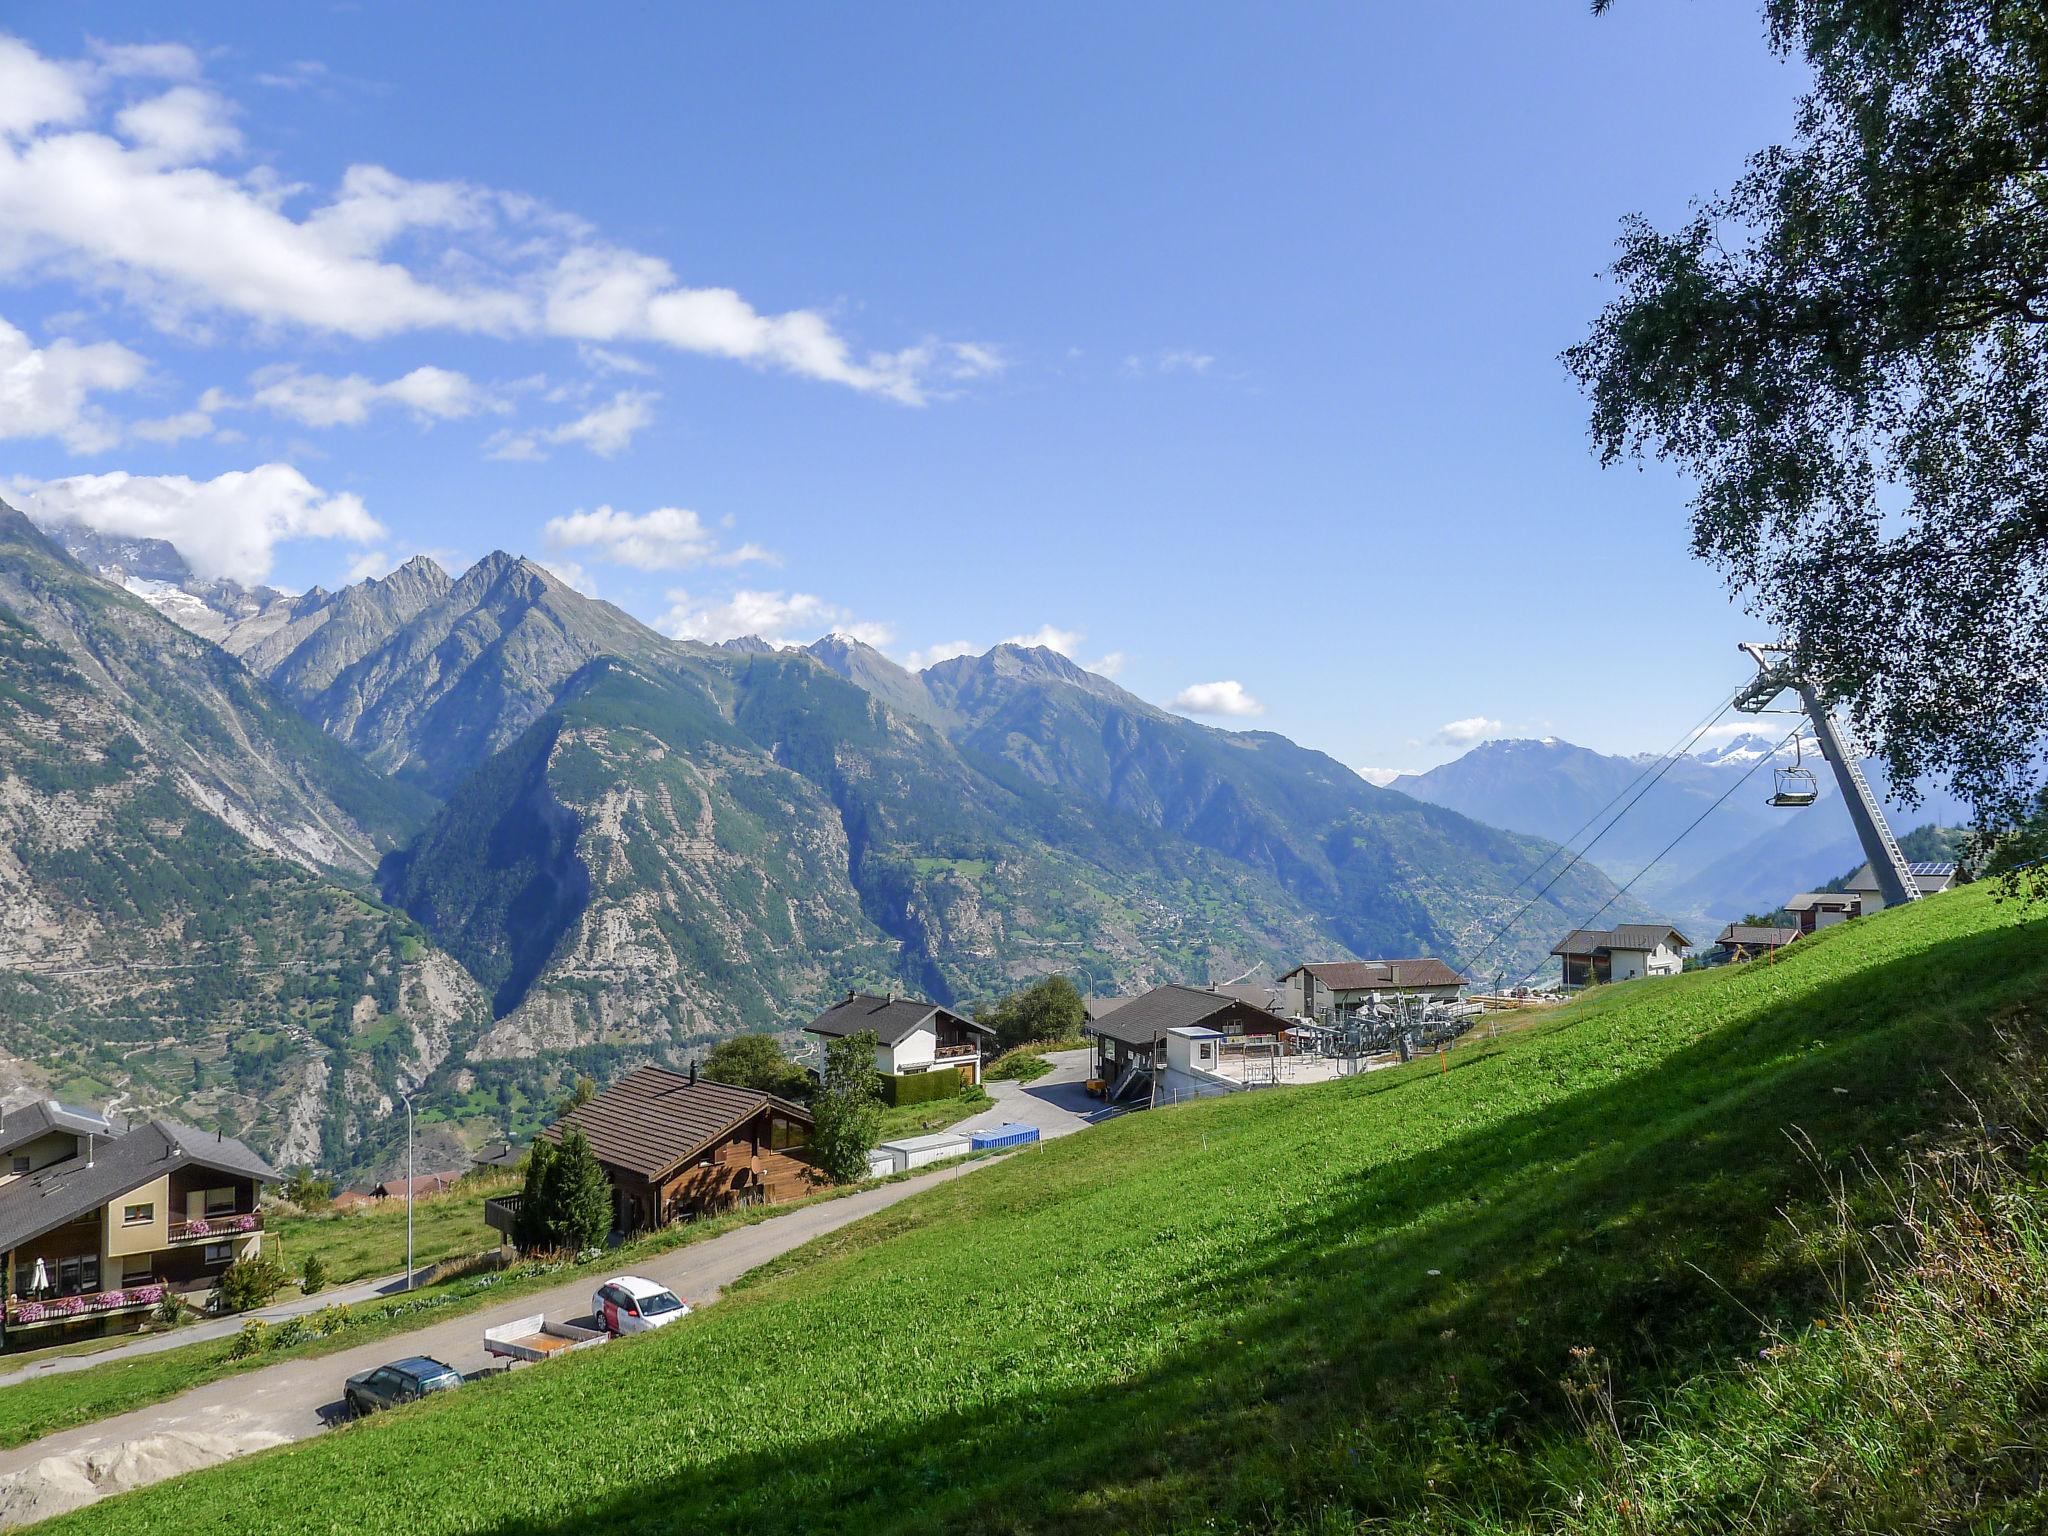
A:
(1371, 1303)
(362, 1245)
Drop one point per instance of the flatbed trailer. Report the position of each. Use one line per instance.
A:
(536, 1338)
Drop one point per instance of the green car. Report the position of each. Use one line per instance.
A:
(402, 1381)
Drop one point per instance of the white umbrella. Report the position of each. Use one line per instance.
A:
(40, 1280)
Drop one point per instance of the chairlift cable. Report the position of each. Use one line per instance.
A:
(1663, 767)
(1719, 801)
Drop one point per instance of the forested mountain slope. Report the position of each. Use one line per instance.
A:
(184, 919)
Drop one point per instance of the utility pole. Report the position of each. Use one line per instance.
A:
(1895, 881)
(408, 1189)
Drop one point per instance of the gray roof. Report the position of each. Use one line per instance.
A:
(1629, 936)
(1756, 933)
(1381, 975)
(34, 1203)
(893, 1019)
(1143, 1019)
(1923, 871)
(32, 1120)
(1806, 899)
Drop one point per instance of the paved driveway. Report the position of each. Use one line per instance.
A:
(297, 1398)
(1057, 1103)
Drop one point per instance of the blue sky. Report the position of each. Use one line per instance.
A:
(1218, 345)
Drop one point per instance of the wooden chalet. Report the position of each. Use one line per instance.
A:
(676, 1146)
(1130, 1042)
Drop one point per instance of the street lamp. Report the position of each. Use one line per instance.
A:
(408, 1189)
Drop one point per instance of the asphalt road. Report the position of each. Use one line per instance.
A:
(298, 1398)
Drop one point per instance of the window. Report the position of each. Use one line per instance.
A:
(138, 1215)
(76, 1277)
(137, 1272)
(21, 1162)
(220, 1202)
(219, 1253)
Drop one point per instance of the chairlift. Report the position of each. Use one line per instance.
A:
(1795, 786)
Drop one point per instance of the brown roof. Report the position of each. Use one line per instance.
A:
(1377, 975)
(652, 1119)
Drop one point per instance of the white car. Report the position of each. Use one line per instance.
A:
(630, 1304)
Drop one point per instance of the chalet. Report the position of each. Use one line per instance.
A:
(676, 1146)
(911, 1037)
(1596, 956)
(1746, 941)
(1815, 910)
(1331, 988)
(497, 1157)
(1930, 877)
(101, 1218)
(1130, 1041)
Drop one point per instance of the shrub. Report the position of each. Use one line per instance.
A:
(919, 1087)
(567, 1201)
(1022, 1065)
(252, 1340)
(250, 1283)
(307, 1192)
(1046, 1011)
(758, 1062)
(313, 1277)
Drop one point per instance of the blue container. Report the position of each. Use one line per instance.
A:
(1009, 1134)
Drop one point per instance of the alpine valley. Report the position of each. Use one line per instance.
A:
(267, 859)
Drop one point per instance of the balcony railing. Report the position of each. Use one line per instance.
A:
(500, 1212)
(955, 1052)
(214, 1228)
(21, 1311)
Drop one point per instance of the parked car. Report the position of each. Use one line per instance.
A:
(629, 1304)
(402, 1381)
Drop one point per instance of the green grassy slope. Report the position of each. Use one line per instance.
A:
(1312, 1305)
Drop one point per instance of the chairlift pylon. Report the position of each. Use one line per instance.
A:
(1795, 787)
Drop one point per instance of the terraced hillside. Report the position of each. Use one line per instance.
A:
(1424, 1299)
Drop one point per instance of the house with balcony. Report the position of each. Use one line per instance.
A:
(912, 1037)
(101, 1218)
(1593, 957)
(1336, 989)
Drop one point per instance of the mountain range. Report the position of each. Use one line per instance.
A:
(1744, 856)
(276, 857)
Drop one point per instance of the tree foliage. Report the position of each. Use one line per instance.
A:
(307, 1190)
(566, 1203)
(1051, 1009)
(249, 1283)
(1848, 353)
(847, 1108)
(757, 1062)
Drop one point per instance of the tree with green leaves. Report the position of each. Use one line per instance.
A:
(757, 1062)
(566, 1203)
(1848, 354)
(1051, 1009)
(531, 1224)
(308, 1191)
(847, 1108)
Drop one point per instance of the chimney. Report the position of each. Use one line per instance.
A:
(693, 1069)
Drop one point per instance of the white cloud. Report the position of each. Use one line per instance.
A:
(1380, 776)
(319, 400)
(143, 61)
(1106, 666)
(781, 618)
(172, 429)
(666, 539)
(227, 526)
(1051, 637)
(1221, 698)
(47, 391)
(574, 575)
(606, 430)
(1467, 732)
(33, 91)
(128, 196)
(376, 562)
(184, 126)
(932, 655)
(1173, 360)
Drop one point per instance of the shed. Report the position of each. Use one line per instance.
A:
(1008, 1134)
(915, 1151)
